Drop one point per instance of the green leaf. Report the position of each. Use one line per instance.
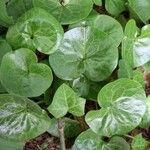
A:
(147, 66)
(22, 75)
(66, 11)
(90, 50)
(117, 112)
(71, 128)
(116, 143)
(98, 2)
(88, 140)
(8, 145)
(81, 86)
(139, 77)
(5, 20)
(135, 48)
(36, 29)
(145, 123)
(139, 143)
(115, 7)
(65, 100)
(16, 8)
(4, 48)
(140, 8)
(21, 119)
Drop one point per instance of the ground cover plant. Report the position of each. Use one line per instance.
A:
(74, 74)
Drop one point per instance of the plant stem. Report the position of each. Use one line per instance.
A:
(61, 126)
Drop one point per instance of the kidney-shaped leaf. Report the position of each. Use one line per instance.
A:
(22, 75)
(66, 11)
(65, 100)
(85, 50)
(123, 105)
(36, 29)
(21, 119)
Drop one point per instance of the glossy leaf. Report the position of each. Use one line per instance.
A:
(117, 113)
(88, 140)
(139, 143)
(88, 50)
(116, 143)
(65, 100)
(140, 8)
(81, 86)
(21, 119)
(71, 128)
(115, 7)
(104, 23)
(22, 75)
(36, 29)
(5, 20)
(66, 11)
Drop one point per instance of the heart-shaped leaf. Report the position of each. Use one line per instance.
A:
(21, 119)
(5, 20)
(139, 143)
(65, 100)
(36, 29)
(22, 75)
(117, 115)
(66, 11)
(88, 140)
(90, 50)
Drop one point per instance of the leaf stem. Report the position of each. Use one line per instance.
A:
(61, 126)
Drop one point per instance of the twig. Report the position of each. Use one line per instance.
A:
(129, 136)
(61, 126)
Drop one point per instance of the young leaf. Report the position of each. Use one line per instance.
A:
(65, 100)
(117, 113)
(88, 140)
(66, 11)
(140, 8)
(90, 50)
(115, 7)
(139, 143)
(5, 20)
(21, 119)
(116, 143)
(22, 75)
(139, 77)
(71, 128)
(36, 29)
